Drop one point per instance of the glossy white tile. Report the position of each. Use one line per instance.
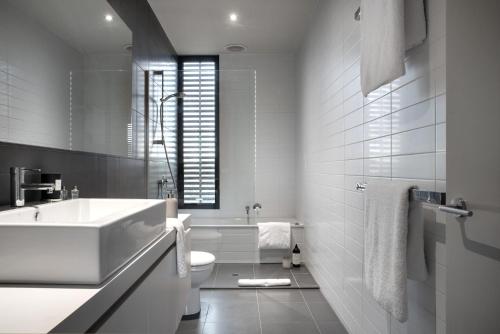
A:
(377, 108)
(354, 151)
(353, 119)
(415, 166)
(400, 137)
(377, 128)
(422, 140)
(379, 167)
(379, 147)
(354, 167)
(441, 165)
(441, 137)
(415, 116)
(354, 135)
(441, 108)
(412, 93)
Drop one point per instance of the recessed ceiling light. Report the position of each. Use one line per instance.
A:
(108, 17)
(233, 17)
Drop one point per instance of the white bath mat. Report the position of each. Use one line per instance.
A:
(264, 282)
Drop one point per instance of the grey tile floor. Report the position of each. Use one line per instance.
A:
(226, 275)
(263, 311)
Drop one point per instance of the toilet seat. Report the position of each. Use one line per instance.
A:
(202, 266)
(201, 261)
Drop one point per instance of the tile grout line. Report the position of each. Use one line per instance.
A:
(257, 296)
(295, 279)
(310, 312)
(215, 277)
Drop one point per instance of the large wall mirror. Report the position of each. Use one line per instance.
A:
(65, 75)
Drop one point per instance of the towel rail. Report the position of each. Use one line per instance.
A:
(431, 197)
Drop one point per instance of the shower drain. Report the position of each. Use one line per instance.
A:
(236, 274)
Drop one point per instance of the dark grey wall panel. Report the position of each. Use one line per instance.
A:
(152, 48)
(95, 175)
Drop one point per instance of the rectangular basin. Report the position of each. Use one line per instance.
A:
(80, 241)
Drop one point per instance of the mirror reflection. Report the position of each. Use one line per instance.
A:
(65, 75)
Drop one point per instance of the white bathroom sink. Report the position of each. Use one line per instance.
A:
(79, 241)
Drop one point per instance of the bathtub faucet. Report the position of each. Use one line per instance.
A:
(247, 210)
(256, 208)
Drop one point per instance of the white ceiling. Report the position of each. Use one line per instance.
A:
(80, 23)
(264, 26)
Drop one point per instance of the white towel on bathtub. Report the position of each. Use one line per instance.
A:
(178, 225)
(274, 235)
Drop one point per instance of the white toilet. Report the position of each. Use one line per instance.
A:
(202, 264)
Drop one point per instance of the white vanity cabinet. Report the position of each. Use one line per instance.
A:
(154, 304)
(145, 296)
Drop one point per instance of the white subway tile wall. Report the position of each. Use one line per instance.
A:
(398, 132)
(257, 138)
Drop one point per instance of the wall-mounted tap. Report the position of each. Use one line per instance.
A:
(18, 185)
(256, 208)
(247, 210)
(162, 186)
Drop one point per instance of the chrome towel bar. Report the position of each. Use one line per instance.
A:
(430, 197)
(458, 206)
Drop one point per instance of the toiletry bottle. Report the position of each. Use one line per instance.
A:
(171, 205)
(64, 193)
(296, 256)
(75, 193)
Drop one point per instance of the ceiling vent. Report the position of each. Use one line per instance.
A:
(235, 48)
(127, 47)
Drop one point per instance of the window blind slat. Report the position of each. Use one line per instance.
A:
(199, 126)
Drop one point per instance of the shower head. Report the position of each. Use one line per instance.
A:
(178, 95)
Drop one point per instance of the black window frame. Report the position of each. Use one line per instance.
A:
(180, 124)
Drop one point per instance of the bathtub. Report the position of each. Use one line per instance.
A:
(235, 240)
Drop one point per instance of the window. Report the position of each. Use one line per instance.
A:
(199, 132)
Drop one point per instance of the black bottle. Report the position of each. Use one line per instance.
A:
(296, 256)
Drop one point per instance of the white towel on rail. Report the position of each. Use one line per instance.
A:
(388, 29)
(415, 254)
(387, 218)
(177, 224)
(274, 235)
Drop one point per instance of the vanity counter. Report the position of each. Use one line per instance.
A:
(73, 308)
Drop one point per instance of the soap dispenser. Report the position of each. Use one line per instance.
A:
(64, 193)
(296, 256)
(172, 205)
(75, 193)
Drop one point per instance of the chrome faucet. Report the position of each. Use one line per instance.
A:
(18, 185)
(37, 212)
(256, 208)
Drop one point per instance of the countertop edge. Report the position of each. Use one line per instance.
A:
(86, 304)
(86, 315)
